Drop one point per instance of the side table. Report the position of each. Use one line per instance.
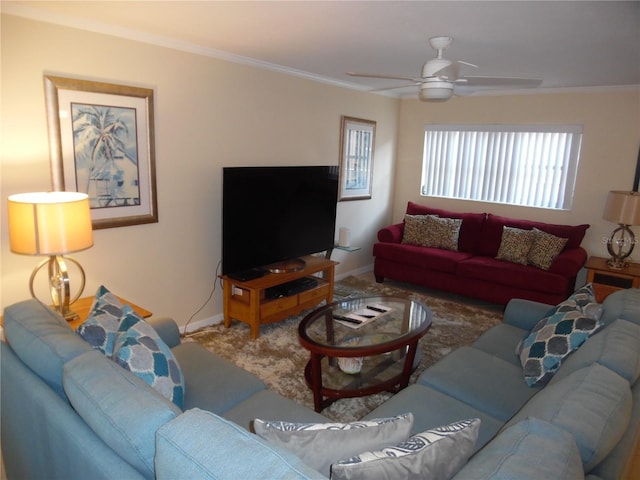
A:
(607, 280)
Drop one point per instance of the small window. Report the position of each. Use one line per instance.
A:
(532, 166)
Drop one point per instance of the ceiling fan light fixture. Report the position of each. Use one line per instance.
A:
(436, 91)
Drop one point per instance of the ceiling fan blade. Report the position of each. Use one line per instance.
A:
(515, 82)
(450, 72)
(468, 64)
(394, 87)
(378, 75)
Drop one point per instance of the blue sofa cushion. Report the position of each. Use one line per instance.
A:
(43, 340)
(593, 404)
(436, 454)
(623, 304)
(213, 383)
(269, 404)
(617, 347)
(529, 450)
(481, 380)
(551, 341)
(120, 408)
(199, 445)
(139, 349)
(321, 444)
(101, 327)
(500, 341)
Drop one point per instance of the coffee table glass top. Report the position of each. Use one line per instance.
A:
(370, 323)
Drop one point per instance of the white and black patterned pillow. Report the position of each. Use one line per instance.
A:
(414, 229)
(441, 232)
(545, 249)
(515, 245)
(434, 454)
(321, 444)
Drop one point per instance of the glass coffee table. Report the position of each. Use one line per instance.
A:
(361, 346)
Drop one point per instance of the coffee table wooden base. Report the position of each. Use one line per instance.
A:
(323, 397)
(381, 332)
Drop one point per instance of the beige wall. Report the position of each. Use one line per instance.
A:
(211, 113)
(609, 151)
(208, 114)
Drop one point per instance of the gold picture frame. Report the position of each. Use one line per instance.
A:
(357, 143)
(101, 142)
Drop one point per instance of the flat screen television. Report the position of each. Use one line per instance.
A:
(272, 216)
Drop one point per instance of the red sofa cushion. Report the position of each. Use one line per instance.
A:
(431, 259)
(492, 233)
(499, 272)
(470, 230)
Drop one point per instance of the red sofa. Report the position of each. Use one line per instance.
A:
(473, 269)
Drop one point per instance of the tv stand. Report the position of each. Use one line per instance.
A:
(246, 300)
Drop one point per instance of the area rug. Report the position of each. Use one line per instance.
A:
(277, 358)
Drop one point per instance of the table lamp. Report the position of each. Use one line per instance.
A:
(622, 208)
(53, 224)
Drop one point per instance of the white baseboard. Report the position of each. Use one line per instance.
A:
(356, 272)
(203, 322)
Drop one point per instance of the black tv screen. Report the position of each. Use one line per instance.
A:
(276, 214)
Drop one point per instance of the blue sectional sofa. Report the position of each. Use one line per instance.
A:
(69, 412)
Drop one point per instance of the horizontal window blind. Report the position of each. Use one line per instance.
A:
(522, 165)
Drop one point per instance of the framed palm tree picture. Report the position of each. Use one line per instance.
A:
(101, 142)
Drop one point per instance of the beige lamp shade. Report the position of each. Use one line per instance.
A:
(49, 223)
(623, 208)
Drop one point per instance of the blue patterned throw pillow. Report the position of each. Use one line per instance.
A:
(552, 340)
(101, 327)
(584, 300)
(438, 453)
(139, 349)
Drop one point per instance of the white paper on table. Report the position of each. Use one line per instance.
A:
(365, 315)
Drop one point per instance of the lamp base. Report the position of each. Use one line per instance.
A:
(617, 264)
(620, 246)
(59, 285)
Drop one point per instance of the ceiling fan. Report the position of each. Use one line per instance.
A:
(441, 77)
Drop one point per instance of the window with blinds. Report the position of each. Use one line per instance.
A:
(533, 166)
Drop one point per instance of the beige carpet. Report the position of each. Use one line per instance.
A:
(278, 359)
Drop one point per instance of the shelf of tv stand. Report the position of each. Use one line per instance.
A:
(246, 300)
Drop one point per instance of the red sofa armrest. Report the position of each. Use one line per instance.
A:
(569, 262)
(392, 233)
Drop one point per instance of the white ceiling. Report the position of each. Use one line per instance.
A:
(569, 44)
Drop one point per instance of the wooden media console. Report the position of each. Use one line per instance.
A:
(247, 301)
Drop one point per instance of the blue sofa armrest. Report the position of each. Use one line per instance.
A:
(200, 445)
(524, 314)
(167, 328)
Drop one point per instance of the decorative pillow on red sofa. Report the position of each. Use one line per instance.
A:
(470, 230)
(492, 234)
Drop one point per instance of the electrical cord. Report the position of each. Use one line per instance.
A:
(184, 330)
